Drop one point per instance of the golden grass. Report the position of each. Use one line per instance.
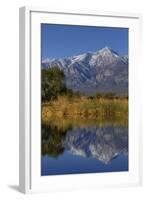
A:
(85, 111)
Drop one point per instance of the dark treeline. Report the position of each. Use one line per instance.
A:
(53, 85)
(108, 95)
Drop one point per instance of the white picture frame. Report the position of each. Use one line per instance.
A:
(29, 160)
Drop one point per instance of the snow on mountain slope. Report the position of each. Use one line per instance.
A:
(101, 71)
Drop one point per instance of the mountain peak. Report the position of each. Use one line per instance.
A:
(107, 50)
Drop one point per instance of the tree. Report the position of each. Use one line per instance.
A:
(52, 83)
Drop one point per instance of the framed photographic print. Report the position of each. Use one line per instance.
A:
(79, 100)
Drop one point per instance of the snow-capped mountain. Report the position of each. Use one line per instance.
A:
(101, 143)
(101, 71)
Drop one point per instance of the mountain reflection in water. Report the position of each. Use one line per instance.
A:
(88, 148)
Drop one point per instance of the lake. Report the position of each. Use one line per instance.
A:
(73, 148)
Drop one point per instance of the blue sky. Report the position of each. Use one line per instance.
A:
(60, 41)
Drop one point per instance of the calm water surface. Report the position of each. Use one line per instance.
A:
(84, 149)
